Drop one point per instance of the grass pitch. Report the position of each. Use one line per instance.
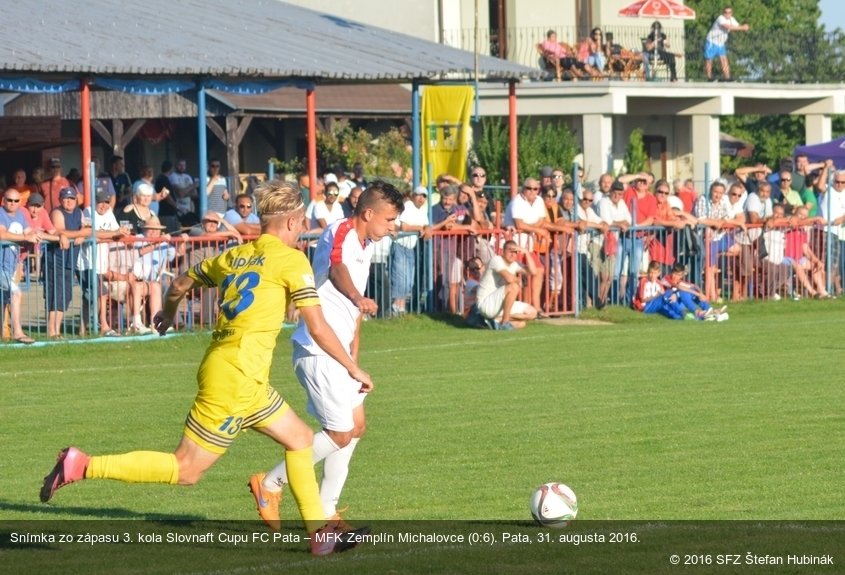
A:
(646, 419)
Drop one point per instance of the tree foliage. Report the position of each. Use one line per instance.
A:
(344, 144)
(774, 138)
(636, 158)
(786, 44)
(540, 144)
(490, 149)
(388, 155)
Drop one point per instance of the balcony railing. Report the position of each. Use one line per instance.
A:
(775, 56)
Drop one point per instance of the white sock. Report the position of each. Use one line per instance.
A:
(137, 321)
(335, 472)
(278, 476)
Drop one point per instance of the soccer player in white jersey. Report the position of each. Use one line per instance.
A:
(341, 270)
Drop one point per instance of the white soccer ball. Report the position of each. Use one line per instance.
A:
(554, 505)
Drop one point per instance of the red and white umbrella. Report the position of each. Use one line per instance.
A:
(658, 9)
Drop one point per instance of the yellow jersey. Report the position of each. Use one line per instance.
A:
(255, 281)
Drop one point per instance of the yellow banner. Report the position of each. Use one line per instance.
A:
(445, 130)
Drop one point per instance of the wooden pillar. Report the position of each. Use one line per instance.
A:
(235, 132)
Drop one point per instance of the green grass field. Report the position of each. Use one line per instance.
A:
(646, 419)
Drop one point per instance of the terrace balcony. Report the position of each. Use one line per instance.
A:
(760, 56)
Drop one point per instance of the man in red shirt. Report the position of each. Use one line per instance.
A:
(51, 186)
(643, 207)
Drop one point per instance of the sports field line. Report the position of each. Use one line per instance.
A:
(106, 368)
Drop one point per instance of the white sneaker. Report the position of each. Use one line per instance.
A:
(140, 329)
(776, 297)
(723, 317)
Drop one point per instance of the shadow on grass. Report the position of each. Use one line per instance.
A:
(448, 319)
(93, 512)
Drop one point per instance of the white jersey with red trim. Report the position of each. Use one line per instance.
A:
(339, 243)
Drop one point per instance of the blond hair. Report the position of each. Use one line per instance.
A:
(276, 198)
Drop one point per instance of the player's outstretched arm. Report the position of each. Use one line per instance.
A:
(325, 337)
(177, 290)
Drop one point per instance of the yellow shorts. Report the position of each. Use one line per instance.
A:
(227, 402)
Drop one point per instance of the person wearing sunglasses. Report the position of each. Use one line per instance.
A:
(526, 213)
(595, 50)
(13, 228)
(589, 247)
(329, 210)
(790, 198)
(216, 188)
(242, 217)
(478, 178)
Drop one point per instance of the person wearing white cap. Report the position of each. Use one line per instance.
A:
(412, 226)
(154, 258)
(139, 210)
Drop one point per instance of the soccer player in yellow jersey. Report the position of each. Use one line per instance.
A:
(255, 282)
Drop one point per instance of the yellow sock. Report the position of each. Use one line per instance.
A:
(303, 486)
(135, 467)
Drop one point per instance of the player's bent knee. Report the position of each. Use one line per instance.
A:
(359, 430)
(340, 438)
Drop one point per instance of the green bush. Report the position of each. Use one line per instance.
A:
(636, 159)
(540, 144)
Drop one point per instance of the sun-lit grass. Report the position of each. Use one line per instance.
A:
(646, 419)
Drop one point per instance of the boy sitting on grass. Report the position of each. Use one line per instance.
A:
(691, 297)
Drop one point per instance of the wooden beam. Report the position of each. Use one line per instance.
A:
(117, 137)
(233, 163)
(101, 129)
(242, 128)
(133, 130)
(216, 129)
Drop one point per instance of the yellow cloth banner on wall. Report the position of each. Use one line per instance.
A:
(445, 130)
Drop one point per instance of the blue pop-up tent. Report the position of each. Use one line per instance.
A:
(834, 149)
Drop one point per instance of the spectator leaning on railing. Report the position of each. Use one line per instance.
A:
(527, 215)
(715, 214)
(95, 292)
(13, 228)
(413, 225)
(60, 260)
(832, 209)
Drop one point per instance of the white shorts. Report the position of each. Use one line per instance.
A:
(332, 393)
(491, 306)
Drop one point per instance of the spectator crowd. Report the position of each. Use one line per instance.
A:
(555, 247)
